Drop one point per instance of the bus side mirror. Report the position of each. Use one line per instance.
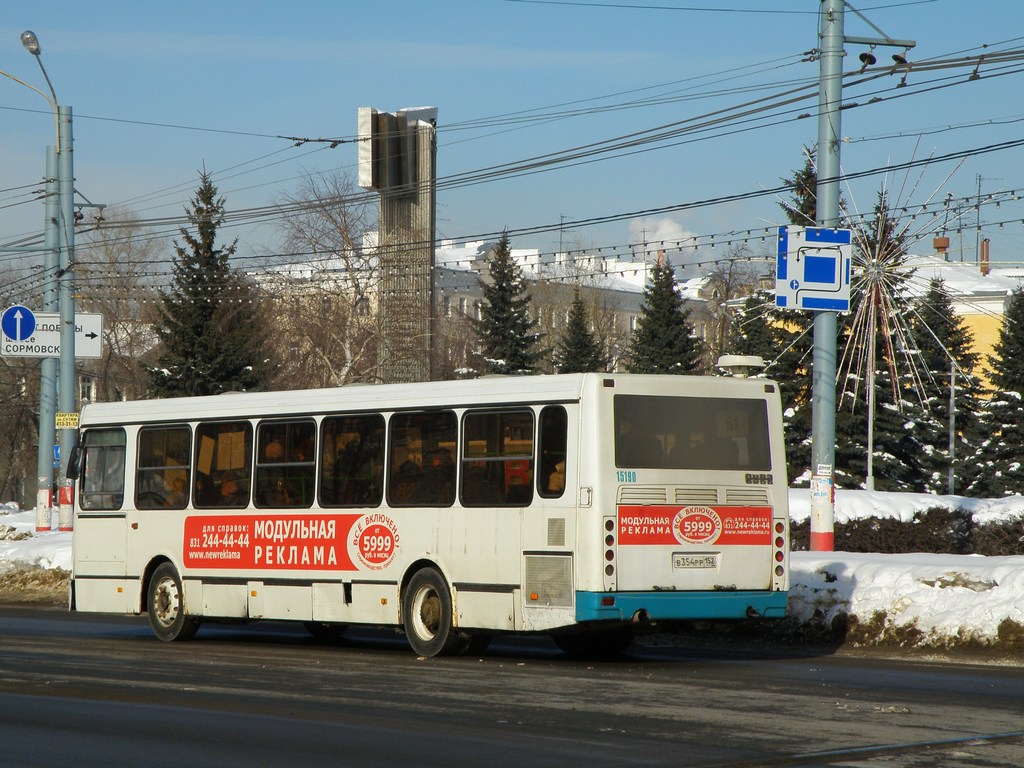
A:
(75, 463)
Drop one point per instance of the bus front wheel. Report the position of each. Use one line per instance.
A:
(427, 615)
(166, 606)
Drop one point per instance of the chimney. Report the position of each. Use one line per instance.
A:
(941, 246)
(983, 257)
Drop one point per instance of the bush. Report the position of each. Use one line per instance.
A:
(937, 530)
(1000, 538)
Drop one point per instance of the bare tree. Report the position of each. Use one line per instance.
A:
(324, 302)
(456, 345)
(734, 277)
(19, 427)
(118, 267)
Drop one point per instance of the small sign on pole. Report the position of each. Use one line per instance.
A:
(813, 268)
(66, 420)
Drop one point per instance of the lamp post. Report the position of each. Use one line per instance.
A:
(65, 246)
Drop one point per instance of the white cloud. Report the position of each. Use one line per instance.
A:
(660, 233)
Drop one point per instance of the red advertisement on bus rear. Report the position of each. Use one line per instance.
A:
(698, 524)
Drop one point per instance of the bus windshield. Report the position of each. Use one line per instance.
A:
(657, 432)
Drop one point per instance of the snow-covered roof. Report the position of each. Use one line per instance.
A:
(964, 278)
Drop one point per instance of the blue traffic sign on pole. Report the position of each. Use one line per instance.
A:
(813, 268)
(18, 323)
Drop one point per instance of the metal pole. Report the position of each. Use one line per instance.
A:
(823, 382)
(952, 427)
(66, 284)
(869, 479)
(48, 367)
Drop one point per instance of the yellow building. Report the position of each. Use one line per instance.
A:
(979, 292)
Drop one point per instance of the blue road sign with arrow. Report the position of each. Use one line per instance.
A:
(18, 323)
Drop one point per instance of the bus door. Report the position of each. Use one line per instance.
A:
(100, 528)
(550, 522)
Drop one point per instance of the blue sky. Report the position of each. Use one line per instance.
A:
(161, 90)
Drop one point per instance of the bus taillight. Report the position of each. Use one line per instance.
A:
(780, 549)
(609, 552)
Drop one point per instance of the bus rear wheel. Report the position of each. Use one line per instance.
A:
(165, 605)
(427, 615)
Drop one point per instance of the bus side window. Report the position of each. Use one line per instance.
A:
(102, 483)
(421, 472)
(223, 464)
(552, 455)
(285, 463)
(162, 467)
(497, 458)
(352, 461)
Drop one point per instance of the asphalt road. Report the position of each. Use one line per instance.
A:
(85, 690)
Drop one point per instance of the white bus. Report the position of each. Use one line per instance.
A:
(587, 506)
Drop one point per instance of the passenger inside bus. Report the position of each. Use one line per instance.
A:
(231, 493)
(478, 489)
(556, 481)
(178, 497)
(437, 481)
(404, 482)
(636, 448)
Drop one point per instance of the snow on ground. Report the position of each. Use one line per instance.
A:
(914, 599)
(925, 599)
(21, 545)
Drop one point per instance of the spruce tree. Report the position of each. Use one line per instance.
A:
(946, 347)
(803, 209)
(999, 460)
(211, 339)
(507, 333)
(782, 339)
(793, 368)
(578, 351)
(663, 341)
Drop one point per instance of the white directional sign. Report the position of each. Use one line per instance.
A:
(37, 334)
(813, 268)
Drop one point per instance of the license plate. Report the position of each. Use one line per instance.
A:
(695, 560)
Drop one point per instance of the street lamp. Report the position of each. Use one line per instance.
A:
(64, 242)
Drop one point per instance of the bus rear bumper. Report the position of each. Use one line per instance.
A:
(668, 606)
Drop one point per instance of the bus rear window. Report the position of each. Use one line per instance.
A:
(691, 433)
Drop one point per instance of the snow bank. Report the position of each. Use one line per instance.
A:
(913, 599)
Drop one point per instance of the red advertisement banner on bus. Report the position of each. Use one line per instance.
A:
(346, 542)
(665, 524)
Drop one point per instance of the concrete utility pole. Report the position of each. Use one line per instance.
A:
(831, 37)
(48, 365)
(823, 373)
(65, 279)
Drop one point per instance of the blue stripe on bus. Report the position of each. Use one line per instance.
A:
(665, 606)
